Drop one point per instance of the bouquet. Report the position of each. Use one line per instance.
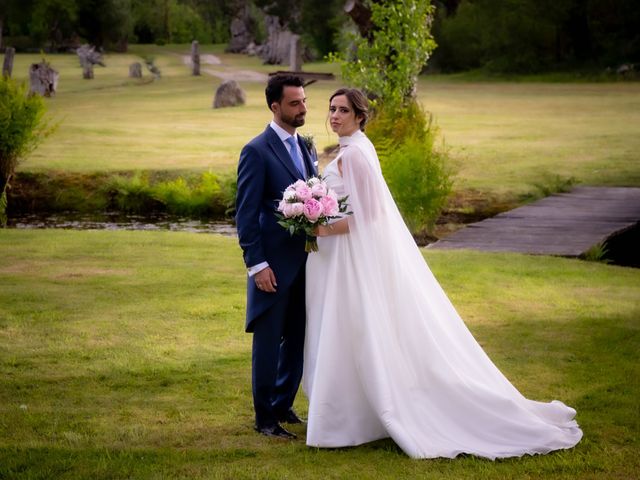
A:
(305, 205)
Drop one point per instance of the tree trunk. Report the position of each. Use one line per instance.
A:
(1, 23)
(361, 15)
(7, 66)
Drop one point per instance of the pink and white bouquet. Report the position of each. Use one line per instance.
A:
(305, 205)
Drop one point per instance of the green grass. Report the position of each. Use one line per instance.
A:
(122, 355)
(508, 136)
(504, 136)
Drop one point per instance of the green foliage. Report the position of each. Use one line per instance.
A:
(205, 197)
(418, 178)
(597, 253)
(416, 171)
(196, 196)
(187, 25)
(387, 65)
(131, 194)
(536, 35)
(22, 128)
(547, 185)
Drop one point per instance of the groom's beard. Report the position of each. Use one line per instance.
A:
(294, 121)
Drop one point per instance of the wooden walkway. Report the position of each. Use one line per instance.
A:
(566, 224)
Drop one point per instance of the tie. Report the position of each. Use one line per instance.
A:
(295, 155)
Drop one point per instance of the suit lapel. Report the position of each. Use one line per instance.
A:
(280, 152)
(308, 161)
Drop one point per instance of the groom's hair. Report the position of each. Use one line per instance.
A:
(276, 84)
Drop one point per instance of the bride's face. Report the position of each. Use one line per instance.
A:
(342, 116)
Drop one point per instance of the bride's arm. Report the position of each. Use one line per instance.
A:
(335, 228)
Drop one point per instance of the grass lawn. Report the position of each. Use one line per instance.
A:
(504, 136)
(122, 355)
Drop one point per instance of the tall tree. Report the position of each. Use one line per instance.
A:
(388, 55)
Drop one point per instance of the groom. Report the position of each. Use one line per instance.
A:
(275, 260)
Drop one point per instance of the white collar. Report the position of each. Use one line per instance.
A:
(282, 133)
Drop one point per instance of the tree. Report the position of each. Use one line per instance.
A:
(391, 47)
(387, 57)
(22, 128)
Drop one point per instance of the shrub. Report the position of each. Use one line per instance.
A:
(130, 194)
(416, 171)
(204, 195)
(22, 128)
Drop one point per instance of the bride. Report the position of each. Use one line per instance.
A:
(386, 354)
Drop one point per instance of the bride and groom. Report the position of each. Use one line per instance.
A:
(385, 353)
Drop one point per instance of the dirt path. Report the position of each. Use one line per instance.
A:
(225, 72)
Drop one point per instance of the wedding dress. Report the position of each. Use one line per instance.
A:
(387, 355)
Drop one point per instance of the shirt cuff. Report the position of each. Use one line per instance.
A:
(257, 268)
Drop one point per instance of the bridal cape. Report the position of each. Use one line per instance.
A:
(386, 353)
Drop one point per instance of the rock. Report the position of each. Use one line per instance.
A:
(229, 94)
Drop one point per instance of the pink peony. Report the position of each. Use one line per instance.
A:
(289, 194)
(330, 206)
(303, 192)
(293, 209)
(312, 209)
(319, 190)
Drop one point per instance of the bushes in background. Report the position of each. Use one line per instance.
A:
(194, 195)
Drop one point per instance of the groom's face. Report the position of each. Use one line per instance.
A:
(291, 109)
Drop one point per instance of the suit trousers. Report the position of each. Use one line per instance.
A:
(277, 354)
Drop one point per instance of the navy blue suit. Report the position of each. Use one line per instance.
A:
(277, 320)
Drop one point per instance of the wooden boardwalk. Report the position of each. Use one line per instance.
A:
(566, 224)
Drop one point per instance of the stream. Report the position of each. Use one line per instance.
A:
(118, 221)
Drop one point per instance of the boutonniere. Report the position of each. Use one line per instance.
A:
(307, 138)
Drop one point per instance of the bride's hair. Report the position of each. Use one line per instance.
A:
(358, 101)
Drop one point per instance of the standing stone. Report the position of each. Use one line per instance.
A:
(135, 70)
(276, 50)
(87, 72)
(7, 66)
(195, 58)
(240, 30)
(88, 58)
(229, 94)
(295, 55)
(43, 79)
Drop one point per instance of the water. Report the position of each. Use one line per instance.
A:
(117, 221)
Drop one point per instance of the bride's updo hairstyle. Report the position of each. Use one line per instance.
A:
(358, 101)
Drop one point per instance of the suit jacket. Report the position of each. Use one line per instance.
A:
(265, 169)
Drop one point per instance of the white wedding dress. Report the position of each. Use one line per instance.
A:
(387, 355)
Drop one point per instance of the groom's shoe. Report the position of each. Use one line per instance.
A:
(275, 431)
(290, 417)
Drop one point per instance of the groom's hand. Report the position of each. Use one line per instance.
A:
(266, 280)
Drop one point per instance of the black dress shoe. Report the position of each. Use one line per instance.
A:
(276, 431)
(290, 417)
